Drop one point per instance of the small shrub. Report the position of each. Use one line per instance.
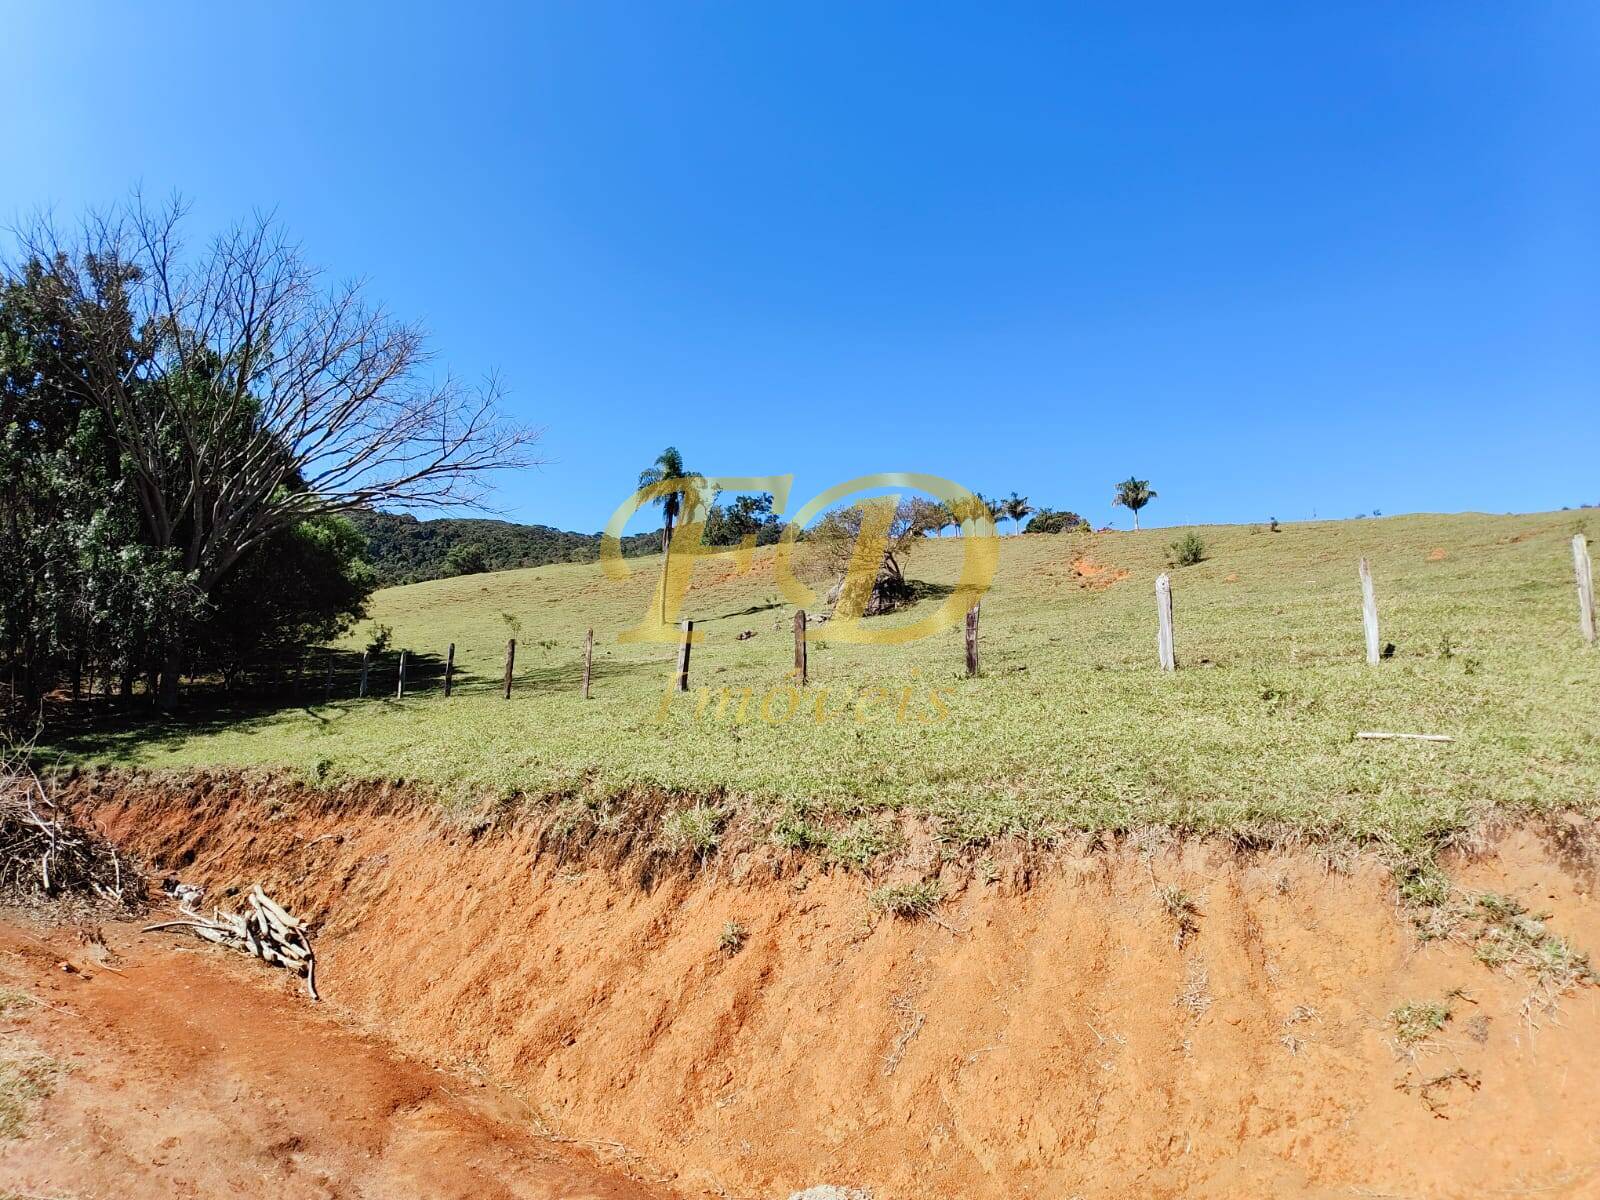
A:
(859, 843)
(1420, 883)
(379, 638)
(734, 936)
(793, 832)
(696, 829)
(1188, 550)
(1417, 1021)
(1510, 935)
(908, 901)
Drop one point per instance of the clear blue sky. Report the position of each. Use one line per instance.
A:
(1279, 259)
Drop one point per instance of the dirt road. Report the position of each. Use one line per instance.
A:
(190, 1073)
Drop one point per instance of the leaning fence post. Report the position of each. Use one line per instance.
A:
(366, 663)
(687, 627)
(588, 660)
(511, 658)
(1369, 612)
(449, 668)
(1164, 641)
(1585, 573)
(800, 663)
(972, 639)
(400, 678)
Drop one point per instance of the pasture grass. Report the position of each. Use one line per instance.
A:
(1069, 725)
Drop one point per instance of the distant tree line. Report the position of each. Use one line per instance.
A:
(403, 549)
(181, 434)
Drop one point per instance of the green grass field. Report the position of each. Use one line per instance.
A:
(1069, 726)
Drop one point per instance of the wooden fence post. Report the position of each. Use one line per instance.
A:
(511, 658)
(400, 678)
(366, 663)
(683, 655)
(588, 660)
(449, 668)
(972, 639)
(1165, 645)
(801, 665)
(327, 683)
(1369, 613)
(1585, 573)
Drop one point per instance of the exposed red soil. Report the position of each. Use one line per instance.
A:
(1041, 1041)
(193, 1073)
(1096, 576)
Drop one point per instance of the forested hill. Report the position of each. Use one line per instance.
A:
(405, 550)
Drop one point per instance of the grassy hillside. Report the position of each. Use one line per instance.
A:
(1070, 724)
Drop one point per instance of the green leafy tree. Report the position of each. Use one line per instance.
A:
(79, 592)
(245, 397)
(466, 558)
(1049, 520)
(1133, 494)
(747, 516)
(306, 586)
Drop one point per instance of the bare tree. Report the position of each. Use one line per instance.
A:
(248, 394)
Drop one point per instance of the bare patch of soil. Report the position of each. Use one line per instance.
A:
(1096, 576)
(1083, 1035)
(192, 1073)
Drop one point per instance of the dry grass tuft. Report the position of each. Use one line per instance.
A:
(1182, 909)
(734, 936)
(1417, 1021)
(907, 901)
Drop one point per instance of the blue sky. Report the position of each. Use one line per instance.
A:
(1278, 259)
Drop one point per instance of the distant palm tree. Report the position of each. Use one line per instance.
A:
(1016, 507)
(667, 467)
(1133, 494)
(965, 509)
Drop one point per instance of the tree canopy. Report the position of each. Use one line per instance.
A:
(168, 416)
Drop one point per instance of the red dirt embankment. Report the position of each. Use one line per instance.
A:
(187, 1077)
(1046, 1041)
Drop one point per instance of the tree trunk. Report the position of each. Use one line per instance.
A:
(170, 670)
(666, 563)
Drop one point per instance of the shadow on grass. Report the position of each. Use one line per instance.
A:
(542, 678)
(322, 694)
(118, 728)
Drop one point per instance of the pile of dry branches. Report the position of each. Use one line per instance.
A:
(45, 853)
(267, 931)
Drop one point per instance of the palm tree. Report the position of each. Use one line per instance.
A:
(1133, 494)
(667, 467)
(1016, 507)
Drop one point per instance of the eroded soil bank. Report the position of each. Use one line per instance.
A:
(1050, 1040)
(176, 1073)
